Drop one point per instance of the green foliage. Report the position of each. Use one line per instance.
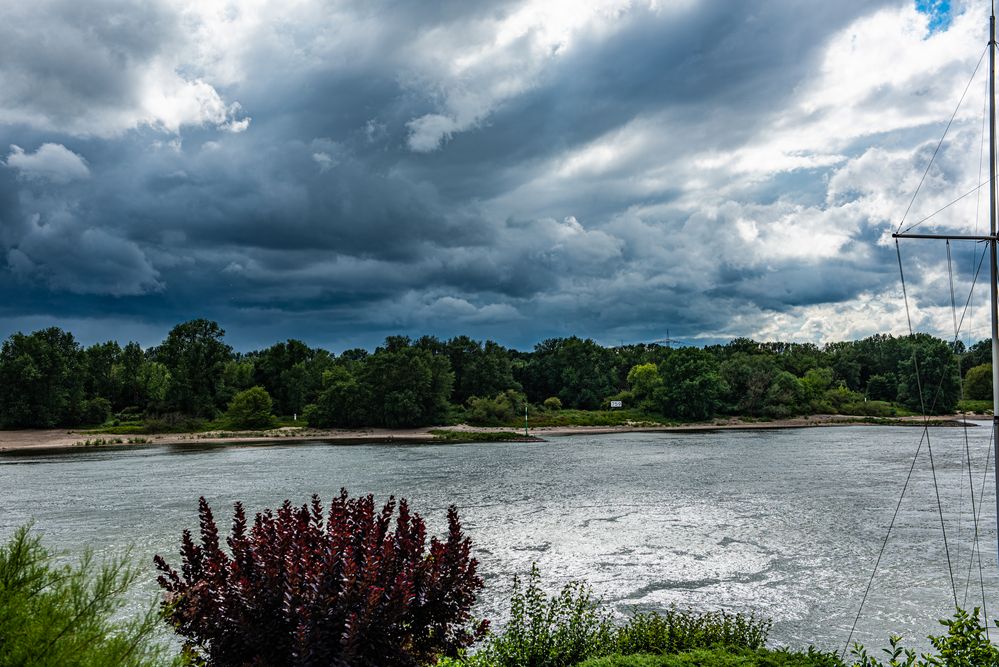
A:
(644, 380)
(978, 383)
(46, 380)
(480, 369)
(250, 409)
(963, 645)
(882, 387)
(544, 631)
(981, 407)
(552, 403)
(292, 373)
(785, 396)
(41, 380)
(405, 385)
(692, 386)
(617, 417)
(195, 356)
(54, 614)
(95, 411)
(721, 657)
(502, 409)
(938, 376)
(747, 380)
(579, 372)
(675, 631)
(340, 403)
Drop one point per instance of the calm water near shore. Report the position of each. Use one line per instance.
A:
(786, 523)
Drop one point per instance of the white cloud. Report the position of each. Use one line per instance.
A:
(52, 162)
(475, 70)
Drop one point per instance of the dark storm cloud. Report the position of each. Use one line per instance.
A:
(335, 174)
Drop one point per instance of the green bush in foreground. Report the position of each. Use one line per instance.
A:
(720, 658)
(63, 615)
(543, 631)
(569, 628)
(676, 631)
(964, 645)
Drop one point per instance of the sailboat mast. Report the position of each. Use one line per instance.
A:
(993, 269)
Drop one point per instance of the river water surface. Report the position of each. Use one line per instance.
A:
(786, 523)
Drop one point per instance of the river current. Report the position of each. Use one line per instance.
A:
(785, 523)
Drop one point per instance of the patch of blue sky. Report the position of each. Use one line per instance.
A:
(939, 12)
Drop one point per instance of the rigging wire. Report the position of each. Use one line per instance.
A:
(915, 458)
(943, 208)
(926, 431)
(967, 446)
(981, 574)
(940, 143)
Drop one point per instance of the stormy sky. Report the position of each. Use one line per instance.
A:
(340, 171)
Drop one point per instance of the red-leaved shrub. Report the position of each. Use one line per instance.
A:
(301, 588)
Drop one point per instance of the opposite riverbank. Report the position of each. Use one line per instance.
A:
(52, 439)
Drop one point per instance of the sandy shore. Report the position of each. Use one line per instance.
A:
(63, 439)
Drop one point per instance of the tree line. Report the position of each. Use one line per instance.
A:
(47, 379)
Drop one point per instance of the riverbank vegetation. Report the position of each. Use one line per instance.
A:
(194, 381)
(53, 614)
(354, 585)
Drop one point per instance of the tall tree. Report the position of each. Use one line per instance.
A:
(41, 380)
(195, 356)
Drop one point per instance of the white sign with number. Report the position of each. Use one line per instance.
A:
(617, 404)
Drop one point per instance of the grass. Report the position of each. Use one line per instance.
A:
(629, 417)
(450, 435)
(977, 407)
(720, 657)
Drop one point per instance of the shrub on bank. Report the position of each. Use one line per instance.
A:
(965, 644)
(250, 409)
(543, 631)
(720, 657)
(54, 614)
(308, 587)
(675, 631)
(570, 628)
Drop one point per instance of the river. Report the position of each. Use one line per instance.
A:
(786, 523)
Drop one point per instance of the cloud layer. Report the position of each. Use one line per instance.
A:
(511, 169)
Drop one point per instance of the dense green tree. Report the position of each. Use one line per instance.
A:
(126, 378)
(292, 373)
(479, 369)
(154, 382)
(581, 373)
(938, 377)
(976, 355)
(692, 387)
(237, 376)
(747, 380)
(250, 408)
(341, 403)
(99, 362)
(195, 355)
(643, 382)
(882, 387)
(41, 380)
(785, 396)
(405, 385)
(978, 383)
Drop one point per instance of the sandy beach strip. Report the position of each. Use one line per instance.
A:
(51, 439)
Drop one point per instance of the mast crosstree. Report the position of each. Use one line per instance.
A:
(991, 239)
